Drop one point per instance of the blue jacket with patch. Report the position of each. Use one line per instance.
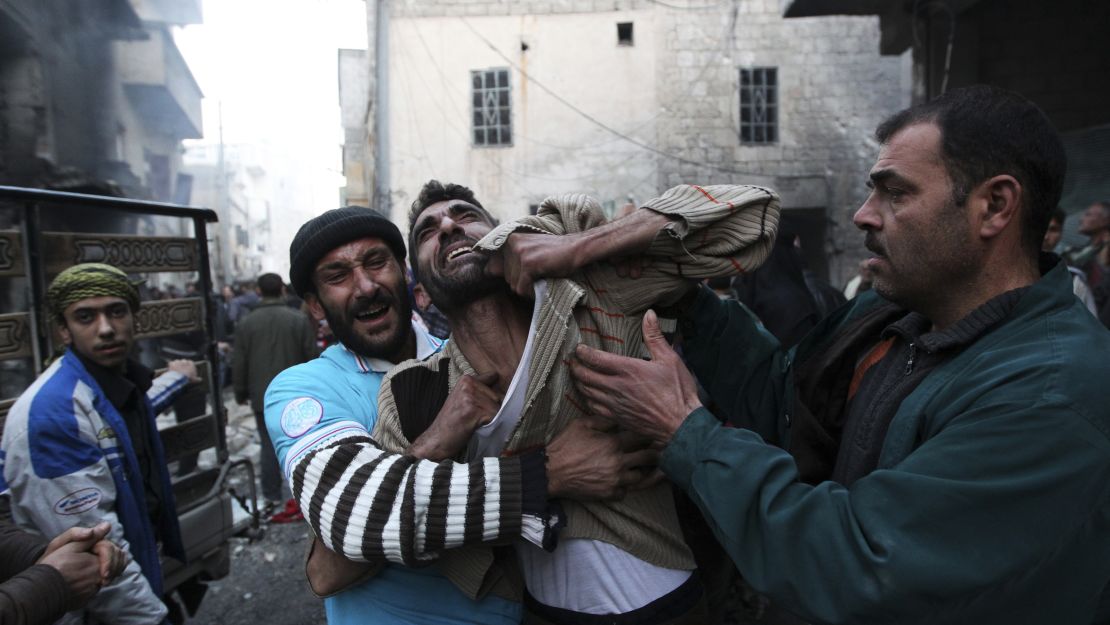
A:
(68, 460)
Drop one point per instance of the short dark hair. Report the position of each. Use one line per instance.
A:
(987, 131)
(1104, 205)
(1058, 215)
(432, 192)
(270, 285)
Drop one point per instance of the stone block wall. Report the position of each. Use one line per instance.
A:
(833, 89)
(442, 8)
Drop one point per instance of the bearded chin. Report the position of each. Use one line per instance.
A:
(386, 347)
(453, 293)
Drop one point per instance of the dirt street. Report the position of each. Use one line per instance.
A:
(266, 585)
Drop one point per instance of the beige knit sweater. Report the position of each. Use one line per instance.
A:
(719, 230)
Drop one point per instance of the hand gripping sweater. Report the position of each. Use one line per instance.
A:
(717, 231)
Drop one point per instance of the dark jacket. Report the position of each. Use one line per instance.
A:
(991, 501)
(778, 294)
(272, 338)
(30, 594)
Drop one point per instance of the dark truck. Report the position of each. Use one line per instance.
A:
(43, 233)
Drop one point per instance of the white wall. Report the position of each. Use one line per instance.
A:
(554, 149)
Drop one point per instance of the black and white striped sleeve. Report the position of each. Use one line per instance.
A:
(368, 504)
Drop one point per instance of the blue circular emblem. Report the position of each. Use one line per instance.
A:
(300, 415)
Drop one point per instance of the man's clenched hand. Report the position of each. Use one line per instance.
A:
(472, 403)
(527, 257)
(589, 460)
(70, 553)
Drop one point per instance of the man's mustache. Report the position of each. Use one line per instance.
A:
(871, 242)
(364, 304)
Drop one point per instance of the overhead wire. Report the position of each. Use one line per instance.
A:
(414, 128)
(599, 123)
(450, 85)
(715, 57)
(689, 7)
(512, 176)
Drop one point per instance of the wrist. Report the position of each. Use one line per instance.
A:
(678, 418)
(551, 471)
(427, 448)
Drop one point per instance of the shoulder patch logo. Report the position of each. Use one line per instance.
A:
(105, 433)
(78, 501)
(300, 415)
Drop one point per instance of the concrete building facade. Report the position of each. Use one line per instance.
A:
(624, 98)
(354, 105)
(94, 96)
(1054, 53)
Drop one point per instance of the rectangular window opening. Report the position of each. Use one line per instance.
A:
(759, 120)
(491, 107)
(624, 33)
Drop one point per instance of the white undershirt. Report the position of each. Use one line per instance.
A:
(582, 575)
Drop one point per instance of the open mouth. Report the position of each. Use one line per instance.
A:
(376, 311)
(459, 251)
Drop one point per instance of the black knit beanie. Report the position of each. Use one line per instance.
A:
(322, 234)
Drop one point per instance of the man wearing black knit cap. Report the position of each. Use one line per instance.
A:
(348, 265)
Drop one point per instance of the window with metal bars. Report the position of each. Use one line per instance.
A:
(759, 105)
(491, 107)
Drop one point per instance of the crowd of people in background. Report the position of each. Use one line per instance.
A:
(931, 444)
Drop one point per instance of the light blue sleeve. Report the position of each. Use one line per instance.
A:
(307, 405)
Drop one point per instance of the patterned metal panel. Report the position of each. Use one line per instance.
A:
(133, 254)
(11, 253)
(169, 316)
(15, 336)
(188, 438)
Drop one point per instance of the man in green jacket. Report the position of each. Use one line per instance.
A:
(270, 339)
(938, 450)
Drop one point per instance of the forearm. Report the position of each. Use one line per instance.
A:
(165, 389)
(37, 596)
(367, 504)
(906, 541)
(49, 505)
(19, 549)
(628, 236)
(739, 363)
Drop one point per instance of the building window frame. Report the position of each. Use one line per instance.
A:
(491, 111)
(759, 105)
(625, 34)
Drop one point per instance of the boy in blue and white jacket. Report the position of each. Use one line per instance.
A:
(81, 446)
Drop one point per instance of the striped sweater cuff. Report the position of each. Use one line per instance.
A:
(542, 517)
(533, 483)
(494, 239)
(696, 206)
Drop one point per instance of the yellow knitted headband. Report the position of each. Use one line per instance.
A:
(90, 280)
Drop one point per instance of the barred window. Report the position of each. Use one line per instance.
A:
(759, 105)
(492, 112)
